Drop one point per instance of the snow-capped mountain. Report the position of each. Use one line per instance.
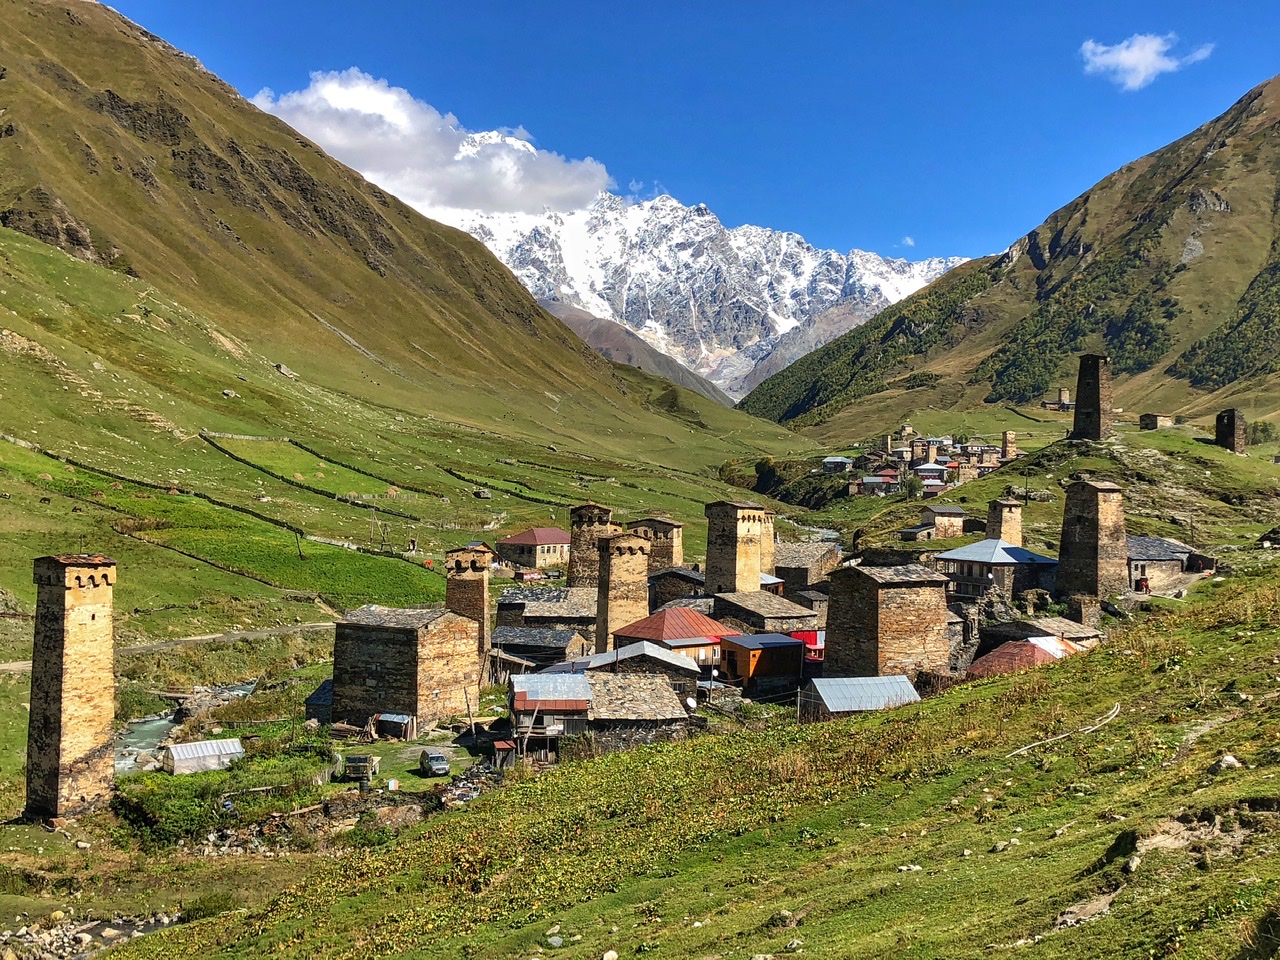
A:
(714, 298)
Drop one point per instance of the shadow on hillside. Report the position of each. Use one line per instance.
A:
(1263, 941)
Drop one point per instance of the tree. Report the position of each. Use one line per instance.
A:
(913, 486)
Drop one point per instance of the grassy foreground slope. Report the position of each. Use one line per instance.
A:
(696, 849)
(1169, 265)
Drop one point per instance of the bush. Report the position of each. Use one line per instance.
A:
(208, 905)
(1262, 431)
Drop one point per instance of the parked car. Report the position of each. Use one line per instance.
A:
(433, 763)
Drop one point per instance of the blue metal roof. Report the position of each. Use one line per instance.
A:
(848, 694)
(762, 641)
(995, 552)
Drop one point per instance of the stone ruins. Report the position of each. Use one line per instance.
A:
(1229, 430)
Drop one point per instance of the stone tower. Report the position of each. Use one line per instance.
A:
(1004, 521)
(1064, 396)
(1229, 430)
(766, 542)
(1008, 445)
(466, 590)
(734, 533)
(587, 524)
(1094, 558)
(71, 730)
(666, 541)
(1094, 400)
(887, 620)
(622, 597)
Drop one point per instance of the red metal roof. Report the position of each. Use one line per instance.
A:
(678, 623)
(1010, 657)
(538, 537)
(524, 702)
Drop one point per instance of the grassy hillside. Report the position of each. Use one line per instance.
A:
(924, 832)
(1169, 265)
(115, 379)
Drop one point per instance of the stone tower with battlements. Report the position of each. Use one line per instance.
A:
(666, 541)
(1094, 399)
(1094, 557)
(734, 539)
(71, 729)
(1229, 430)
(622, 597)
(466, 590)
(588, 522)
(1004, 521)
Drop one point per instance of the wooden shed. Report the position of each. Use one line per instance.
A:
(763, 662)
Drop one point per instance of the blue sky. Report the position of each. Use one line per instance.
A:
(960, 126)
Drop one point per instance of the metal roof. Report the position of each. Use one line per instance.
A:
(205, 748)
(538, 537)
(763, 641)
(994, 552)
(551, 686)
(372, 615)
(392, 717)
(848, 694)
(1009, 657)
(641, 649)
(675, 624)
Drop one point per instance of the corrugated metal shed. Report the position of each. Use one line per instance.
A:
(856, 694)
(200, 755)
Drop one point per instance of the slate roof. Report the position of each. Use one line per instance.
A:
(906, 573)
(321, 696)
(947, 510)
(803, 554)
(764, 604)
(533, 637)
(537, 537)
(1010, 657)
(994, 552)
(633, 697)
(372, 615)
(676, 624)
(566, 603)
(1157, 548)
(701, 604)
(849, 694)
(684, 573)
(763, 641)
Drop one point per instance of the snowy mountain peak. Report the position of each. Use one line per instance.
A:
(714, 298)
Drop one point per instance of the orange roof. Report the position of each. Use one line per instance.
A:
(678, 623)
(538, 537)
(1010, 657)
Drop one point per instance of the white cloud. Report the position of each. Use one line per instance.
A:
(427, 158)
(1134, 63)
(908, 241)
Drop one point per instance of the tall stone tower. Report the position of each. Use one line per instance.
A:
(587, 524)
(71, 730)
(766, 543)
(1229, 430)
(666, 541)
(1094, 399)
(1094, 559)
(622, 597)
(466, 588)
(734, 532)
(1008, 445)
(1004, 521)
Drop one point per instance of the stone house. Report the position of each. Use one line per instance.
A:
(422, 663)
(887, 620)
(1154, 421)
(673, 583)
(1162, 562)
(836, 465)
(761, 612)
(801, 566)
(643, 657)
(975, 568)
(541, 646)
(557, 608)
(940, 522)
(537, 547)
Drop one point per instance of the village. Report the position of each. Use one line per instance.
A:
(637, 646)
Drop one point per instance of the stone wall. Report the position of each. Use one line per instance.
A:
(587, 524)
(671, 586)
(1094, 555)
(623, 596)
(1229, 430)
(876, 628)
(71, 728)
(428, 672)
(1094, 399)
(466, 590)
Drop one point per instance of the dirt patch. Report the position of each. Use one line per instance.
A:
(1085, 910)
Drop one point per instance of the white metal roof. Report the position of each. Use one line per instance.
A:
(205, 748)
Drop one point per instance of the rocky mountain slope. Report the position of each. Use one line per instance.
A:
(616, 342)
(1171, 266)
(716, 299)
